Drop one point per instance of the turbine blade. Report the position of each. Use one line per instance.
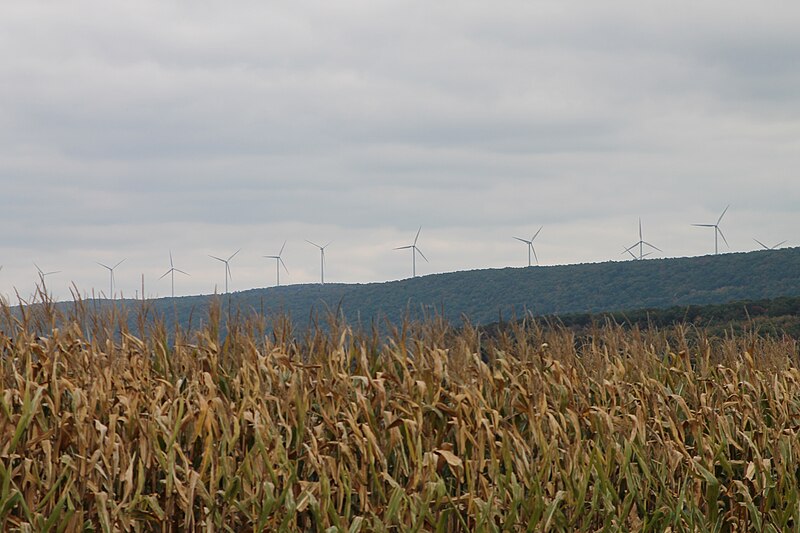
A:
(217, 258)
(536, 234)
(329, 243)
(313, 244)
(534, 253)
(234, 254)
(420, 253)
(640, 229)
(417, 237)
(776, 246)
(166, 273)
(763, 245)
(282, 247)
(653, 246)
(723, 237)
(283, 264)
(181, 271)
(170, 259)
(705, 225)
(118, 264)
(722, 215)
(102, 265)
(404, 247)
(522, 240)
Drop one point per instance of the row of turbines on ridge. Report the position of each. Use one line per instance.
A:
(415, 250)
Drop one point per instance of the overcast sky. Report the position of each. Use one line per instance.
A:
(129, 129)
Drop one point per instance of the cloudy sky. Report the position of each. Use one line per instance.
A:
(129, 129)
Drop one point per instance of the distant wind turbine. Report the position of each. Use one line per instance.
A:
(717, 231)
(42, 273)
(414, 251)
(227, 266)
(171, 272)
(770, 247)
(278, 263)
(641, 244)
(111, 275)
(321, 259)
(530, 246)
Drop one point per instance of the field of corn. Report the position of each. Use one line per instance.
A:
(426, 428)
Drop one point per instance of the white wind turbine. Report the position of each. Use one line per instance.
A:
(717, 231)
(172, 271)
(278, 263)
(111, 275)
(641, 244)
(321, 259)
(530, 246)
(42, 273)
(770, 247)
(227, 266)
(414, 251)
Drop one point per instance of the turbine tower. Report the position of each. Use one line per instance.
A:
(111, 275)
(530, 246)
(414, 251)
(770, 247)
(227, 266)
(641, 244)
(278, 263)
(172, 271)
(717, 232)
(321, 259)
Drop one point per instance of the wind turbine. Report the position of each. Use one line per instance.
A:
(278, 263)
(172, 271)
(530, 246)
(42, 273)
(770, 247)
(641, 244)
(227, 266)
(717, 231)
(111, 273)
(321, 259)
(414, 251)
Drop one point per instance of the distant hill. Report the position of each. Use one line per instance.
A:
(484, 296)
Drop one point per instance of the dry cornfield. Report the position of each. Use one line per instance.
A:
(428, 428)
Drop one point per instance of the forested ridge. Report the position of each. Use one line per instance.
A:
(487, 296)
